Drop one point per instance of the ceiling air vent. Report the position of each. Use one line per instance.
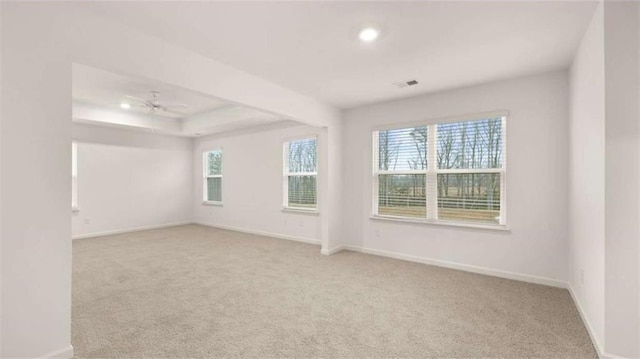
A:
(404, 84)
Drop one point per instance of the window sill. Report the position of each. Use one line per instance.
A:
(313, 212)
(211, 203)
(491, 227)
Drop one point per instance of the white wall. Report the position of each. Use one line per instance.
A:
(333, 176)
(622, 178)
(1, 267)
(40, 41)
(586, 178)
(36, 187)
(536, 248)
(129, 180)
(253, 184)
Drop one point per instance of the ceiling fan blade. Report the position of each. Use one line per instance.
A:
(177, 105)
(130, 105)
(173, 111)
(176, 108)
(146, 102)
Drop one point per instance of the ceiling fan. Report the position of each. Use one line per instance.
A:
(154, 105)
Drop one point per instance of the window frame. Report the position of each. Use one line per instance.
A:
(286, 174)
(206, 176)
(431, 173)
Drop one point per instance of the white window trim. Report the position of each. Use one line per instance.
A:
(206, 175)
(432, 172)
(299, 210)
(428, 222)
(286, 174)
(212, 203)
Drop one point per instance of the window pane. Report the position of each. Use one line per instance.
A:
(214, 163)
(402, 149)
(303, 155)
(214, 189)
(402, 195)
(470, 144)
(302, 191)
(469, 197)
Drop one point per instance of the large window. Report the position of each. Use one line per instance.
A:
(213, 177)
(451, 171)
(300, 174)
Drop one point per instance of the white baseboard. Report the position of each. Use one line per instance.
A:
(587, 324)
(612, 356)
(602, 354)
(128, 230)
(66, 353)
(492, 272)
(263, 233)
(463, 267)
(332, 250)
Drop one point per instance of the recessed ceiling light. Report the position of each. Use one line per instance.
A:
(125, 105)
(369, 34)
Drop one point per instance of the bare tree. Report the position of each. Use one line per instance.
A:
(387, 154)
(302, 158)
(445, 160)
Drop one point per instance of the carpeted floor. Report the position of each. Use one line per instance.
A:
(194, 291)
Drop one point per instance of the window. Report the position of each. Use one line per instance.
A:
(452, 171)
(74, 175)
(300, 174)
(213, 177)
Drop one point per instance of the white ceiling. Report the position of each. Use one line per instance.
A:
(102, 88)
(97, 95)
(311, 47)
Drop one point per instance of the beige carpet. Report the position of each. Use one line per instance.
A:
(194, 291)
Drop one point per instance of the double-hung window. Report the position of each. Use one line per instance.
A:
(212, 177)
(300, 174)
(450, 171)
